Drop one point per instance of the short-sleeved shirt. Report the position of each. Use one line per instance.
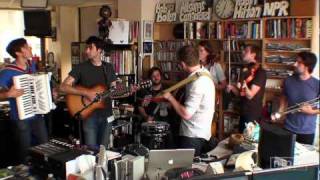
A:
(6, 81)
(88, 75)
(159, 110)
(200, 103)
(251, 109)
(216, 72)
(298, 91)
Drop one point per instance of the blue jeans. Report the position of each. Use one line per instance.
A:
(97, 129)
(27, 133)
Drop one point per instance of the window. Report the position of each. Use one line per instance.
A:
(12, 27)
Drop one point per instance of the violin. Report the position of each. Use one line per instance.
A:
(247, 75)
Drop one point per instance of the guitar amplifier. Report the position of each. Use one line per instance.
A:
(52, 157)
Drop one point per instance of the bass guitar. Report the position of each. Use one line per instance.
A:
(80, 105)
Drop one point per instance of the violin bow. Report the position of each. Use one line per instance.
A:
(229, 58)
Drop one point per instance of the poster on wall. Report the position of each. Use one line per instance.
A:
(194, 10)
(166, 11)
(119, 32)
(147, 30)
(147, 48)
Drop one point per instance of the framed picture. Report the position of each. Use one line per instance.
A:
(147, 47)
(147, 30)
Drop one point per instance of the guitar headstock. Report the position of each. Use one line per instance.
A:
(145, 84)
(122, 90)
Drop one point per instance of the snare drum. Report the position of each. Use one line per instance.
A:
(154, 135)
(156, 127)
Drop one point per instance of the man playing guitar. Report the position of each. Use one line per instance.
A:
(97, 127)
(251, 89)
(197, 111)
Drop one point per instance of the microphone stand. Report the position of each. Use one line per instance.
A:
(77, 116)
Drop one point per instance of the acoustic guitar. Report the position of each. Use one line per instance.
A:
(77, 103)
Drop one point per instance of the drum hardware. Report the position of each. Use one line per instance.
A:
(154, 134)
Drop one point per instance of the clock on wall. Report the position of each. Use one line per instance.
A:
(224, 8)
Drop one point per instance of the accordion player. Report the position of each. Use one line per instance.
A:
(37, 97)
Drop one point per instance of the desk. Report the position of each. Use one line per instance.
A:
(304, 156)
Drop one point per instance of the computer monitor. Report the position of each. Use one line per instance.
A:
(162, 160)
(225, 176)
(275, 142)
(292, 173)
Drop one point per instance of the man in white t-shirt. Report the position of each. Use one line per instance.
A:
(198, 109)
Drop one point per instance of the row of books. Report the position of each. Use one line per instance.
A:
(278, 73)
(243, 30)
(235, 57)
(286, 47)
(134, 31)
(275, 58)
(168, 45)
(234, 45)
(202, 30)
(165, 55)
(123, 61)
(169, 67)
(167, 50)
(289, 28)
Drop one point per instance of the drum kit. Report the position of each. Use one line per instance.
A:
(155, 135)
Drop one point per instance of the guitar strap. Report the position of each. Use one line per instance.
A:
(186, 81)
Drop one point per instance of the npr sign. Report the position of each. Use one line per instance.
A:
(251, 9)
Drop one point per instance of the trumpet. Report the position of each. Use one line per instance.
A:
(295, 108)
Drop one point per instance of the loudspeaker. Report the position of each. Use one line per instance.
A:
(34, 3)
(37, 23)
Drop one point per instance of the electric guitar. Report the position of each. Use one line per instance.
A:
(85, 107)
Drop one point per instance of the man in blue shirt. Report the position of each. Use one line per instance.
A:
(299, 88)
(22, 130)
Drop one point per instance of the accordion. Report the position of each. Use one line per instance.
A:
(37, 97)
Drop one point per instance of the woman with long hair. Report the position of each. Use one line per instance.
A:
(209, 61)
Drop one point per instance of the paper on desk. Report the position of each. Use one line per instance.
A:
(112, 155)
(86, 162)
(304, 154)
(80, 164)
(202, 166)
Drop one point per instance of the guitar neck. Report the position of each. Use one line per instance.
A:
(182, 83)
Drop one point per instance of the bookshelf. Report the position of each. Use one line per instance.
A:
(280, 39)
(284, 37)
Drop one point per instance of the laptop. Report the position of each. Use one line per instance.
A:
(162, 160)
